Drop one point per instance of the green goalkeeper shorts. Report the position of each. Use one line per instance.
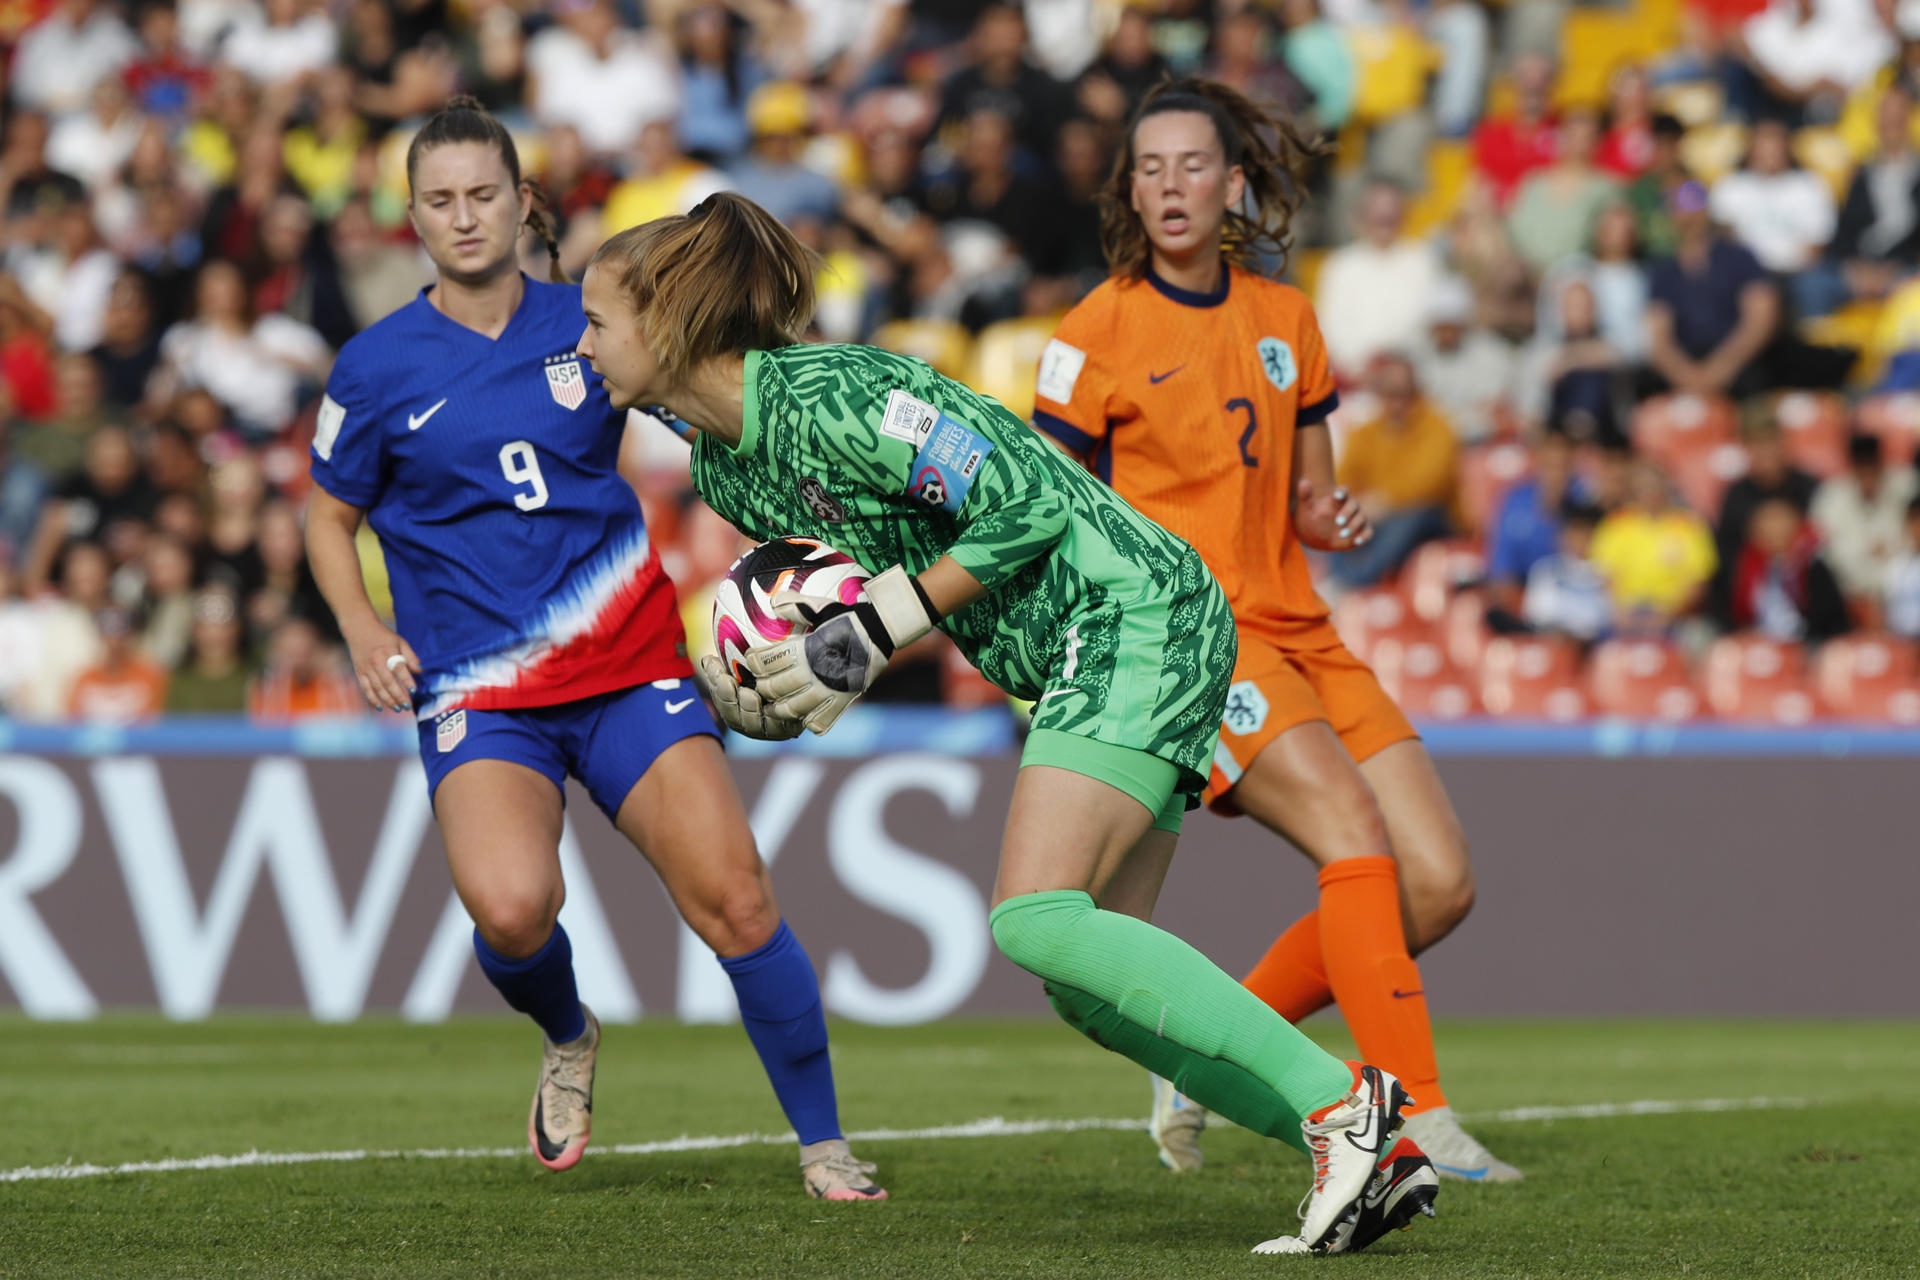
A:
(1137, 697)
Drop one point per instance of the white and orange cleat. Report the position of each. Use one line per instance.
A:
(562, 1117)
(1347, 1140)
(1402, 1191)
(830, 1172)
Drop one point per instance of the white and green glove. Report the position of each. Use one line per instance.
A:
(814, 677)
(743, 710)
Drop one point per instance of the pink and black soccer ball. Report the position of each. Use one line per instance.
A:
(743, 616)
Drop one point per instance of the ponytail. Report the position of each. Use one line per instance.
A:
(1270, 149)
(724, 279)
(464, 119)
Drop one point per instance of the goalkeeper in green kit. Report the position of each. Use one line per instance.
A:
(1049, 583)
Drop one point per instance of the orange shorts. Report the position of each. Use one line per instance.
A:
(1275, 689)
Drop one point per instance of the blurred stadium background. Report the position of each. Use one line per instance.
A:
(1624, 299)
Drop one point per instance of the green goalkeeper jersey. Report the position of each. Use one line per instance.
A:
(1113, 625)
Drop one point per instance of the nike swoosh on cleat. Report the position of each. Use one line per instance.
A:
(1398, 994)
(675, 708)
(1157, 378)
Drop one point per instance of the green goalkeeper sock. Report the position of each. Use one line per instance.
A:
(1170, 991)
(1219, 1086)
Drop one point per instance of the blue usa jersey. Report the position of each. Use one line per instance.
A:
(521, 570)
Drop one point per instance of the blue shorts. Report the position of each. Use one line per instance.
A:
(608, 741)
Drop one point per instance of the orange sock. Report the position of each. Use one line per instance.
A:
(1292, 978)
(1376, 982)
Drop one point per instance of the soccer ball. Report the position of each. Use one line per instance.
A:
(743, 616)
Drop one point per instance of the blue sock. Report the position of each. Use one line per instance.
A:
(540, 986)
(780, 1005)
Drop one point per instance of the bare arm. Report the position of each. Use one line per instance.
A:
(1325, 515)
(949, 586)
(1759, 318)
(331, 525)
(1663, 350)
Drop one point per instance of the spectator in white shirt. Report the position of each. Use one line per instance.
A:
(1466, 370)
(1903, 581)
(253, 367)
(1861, 515)
(1802, 50)
(287, 45)
(60, 59)
(1784, 213)
(92, 145)
(605, 81)
(1372, 294)
(1566, 595)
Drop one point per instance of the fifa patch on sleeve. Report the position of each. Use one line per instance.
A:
(1060, 367)
(944, 469)
(327, 429)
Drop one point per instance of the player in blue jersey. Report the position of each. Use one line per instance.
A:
(539, 638)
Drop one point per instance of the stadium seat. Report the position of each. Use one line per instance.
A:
(1532, 677)
(1670, 427)
(1691, 102)
(1416, 675)
(1006, 360)
(1752, 677)
(1366, 617)
(1711, 151)
(1486, 474)
(1435, 571)
(1642, 680)
(1449, 166)
(1703, 476)
(946, 346)
(1826, 153)
(1869, 677)
(1895, 419)
(1464, 630)
(1814, 427)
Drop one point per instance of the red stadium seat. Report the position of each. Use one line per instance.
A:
(1671, 426)
(1749, 677)
(1896, 420)
(1814, 427)
(1867, 677)
(1366, 617)
(1643, 680)
(1464, 630)
(1416, 675)
(1704, 475)
(1485, 476)
(1532, 677)
(1435, 571)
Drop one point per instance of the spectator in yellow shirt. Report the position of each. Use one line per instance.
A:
(1401, 467)
(1657, 555)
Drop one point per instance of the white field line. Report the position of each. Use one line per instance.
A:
(988, 1127)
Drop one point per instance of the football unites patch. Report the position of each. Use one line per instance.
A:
(566, 380)
(943, 471)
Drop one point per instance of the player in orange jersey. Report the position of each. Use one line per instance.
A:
(1199, 389)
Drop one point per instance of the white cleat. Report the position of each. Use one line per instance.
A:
(831, 1172)
(1346, 1139)
(1176, 1124)
(562, 1117)
(1282, 1244)
(1455, 1152)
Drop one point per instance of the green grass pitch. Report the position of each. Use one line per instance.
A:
(1822, 1189)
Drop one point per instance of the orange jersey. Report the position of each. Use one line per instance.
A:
(1186, 404)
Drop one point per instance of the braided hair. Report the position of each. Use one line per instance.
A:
(463, 119)
(1272, 152)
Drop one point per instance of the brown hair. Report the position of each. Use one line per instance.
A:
(721, 280)
(464, 119)
(1270, 150)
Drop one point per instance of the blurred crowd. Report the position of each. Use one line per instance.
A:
(1622, 297)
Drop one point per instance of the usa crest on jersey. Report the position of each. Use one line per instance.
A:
(566, 380)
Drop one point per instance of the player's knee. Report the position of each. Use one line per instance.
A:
(739, 919)
(1030, 930)
(515, 924)
(1437, 901)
